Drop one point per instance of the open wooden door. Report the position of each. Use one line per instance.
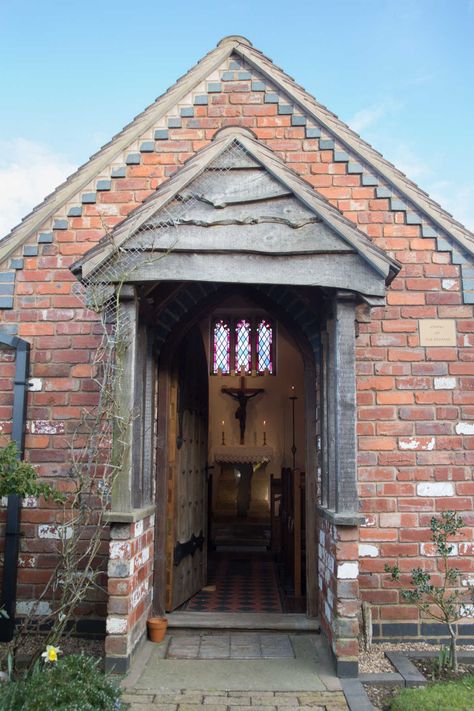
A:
(186, 544)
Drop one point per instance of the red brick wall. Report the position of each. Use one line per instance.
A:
(408, 421)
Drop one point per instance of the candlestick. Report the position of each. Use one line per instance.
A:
(293, 399)
(264, 433)
(223, 433)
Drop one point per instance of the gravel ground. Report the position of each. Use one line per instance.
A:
(375, 660)
(381, 696)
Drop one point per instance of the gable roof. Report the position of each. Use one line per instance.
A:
(194, 167)
(243, 48)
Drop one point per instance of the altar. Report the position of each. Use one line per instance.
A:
(241, 481)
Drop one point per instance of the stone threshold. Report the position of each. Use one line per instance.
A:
(242, 621)
(406, 675)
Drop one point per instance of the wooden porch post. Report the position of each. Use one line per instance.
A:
(345, 402)
(126, 355)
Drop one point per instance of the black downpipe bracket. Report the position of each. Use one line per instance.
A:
(12, 530)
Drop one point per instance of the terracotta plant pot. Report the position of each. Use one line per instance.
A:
(157, 627)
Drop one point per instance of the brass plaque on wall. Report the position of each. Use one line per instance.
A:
(437, 332)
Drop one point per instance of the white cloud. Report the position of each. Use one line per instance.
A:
(456, 199)
(406, 159)
(371, 115)
(28, 172)
(375, 121)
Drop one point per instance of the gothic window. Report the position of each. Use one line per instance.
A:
(264, 347)
(221, 347)
(243, 348)
(243, 344)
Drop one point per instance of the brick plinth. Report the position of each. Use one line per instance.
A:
(130, 589)
(339, 592)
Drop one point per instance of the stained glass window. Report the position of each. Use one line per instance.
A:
(242, 344)
(243, 351)
(264, 347)
(221, 344)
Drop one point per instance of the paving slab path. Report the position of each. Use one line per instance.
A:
(212, 700)
(234, 672)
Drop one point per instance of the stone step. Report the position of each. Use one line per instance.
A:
(242, 621)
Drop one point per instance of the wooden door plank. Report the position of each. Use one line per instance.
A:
(296, 476)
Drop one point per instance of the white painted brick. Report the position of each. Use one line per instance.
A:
(152, 520)
(120, 550)
(467, 610)
(139, 593)
(328, 611)
(105, 209)
(52, 531)
(46, 427)
(116, 625)
(465, 428)
(368, 551)
(435, 488)
(24, 607)
(448, 284)
(26, 561)
(35, 385)
(322, 538)
(347, 571)
(430, 550)
(138, 528)
(142, 557)
(29, 502)
(444, 383)
(468, 582)
(331, 563)
(417, 443)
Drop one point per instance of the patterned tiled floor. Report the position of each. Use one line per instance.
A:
(250, 645)
(239, 584)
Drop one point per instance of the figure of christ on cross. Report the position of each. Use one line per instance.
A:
(242, 395)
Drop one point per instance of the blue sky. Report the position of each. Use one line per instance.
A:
(72, 74)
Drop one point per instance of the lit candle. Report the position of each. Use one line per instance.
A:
(223, 432)
(264, 432)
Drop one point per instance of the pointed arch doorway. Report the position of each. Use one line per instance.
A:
(238, 545)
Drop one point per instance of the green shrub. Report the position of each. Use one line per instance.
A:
(72, 684)
(447, 602)
(19, 477)
(447, 696)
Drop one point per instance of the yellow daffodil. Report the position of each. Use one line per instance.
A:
(51, 654)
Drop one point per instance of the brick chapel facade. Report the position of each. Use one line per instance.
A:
(377, 294)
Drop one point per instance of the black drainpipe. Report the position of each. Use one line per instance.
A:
(12, 530)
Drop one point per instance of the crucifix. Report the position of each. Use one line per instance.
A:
(242, 395)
